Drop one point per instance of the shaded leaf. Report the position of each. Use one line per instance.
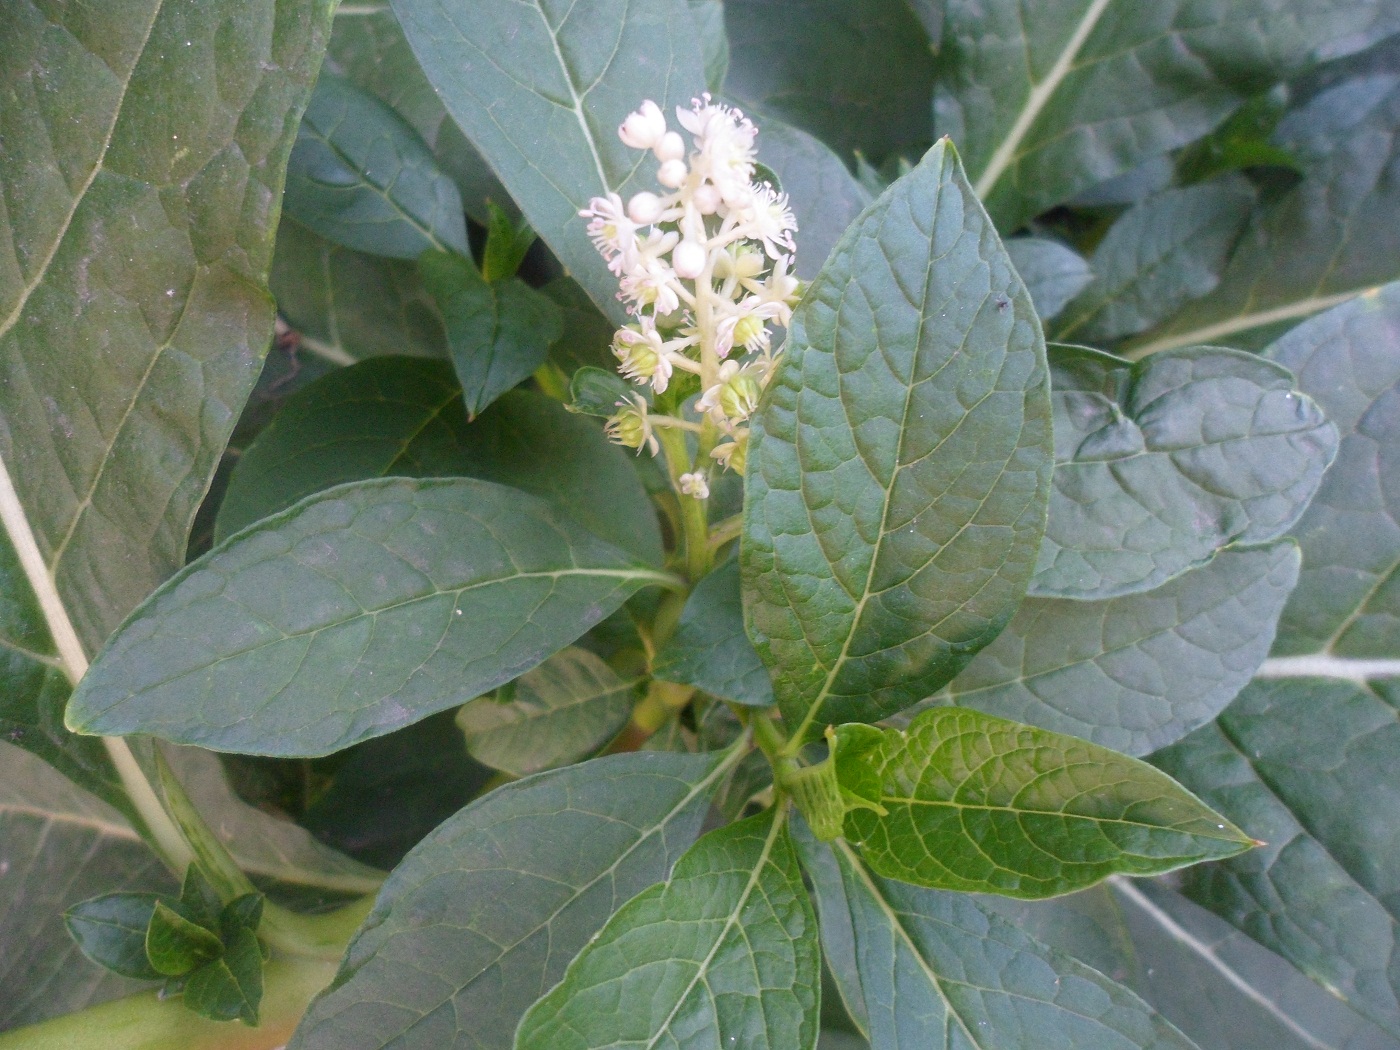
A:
(1161, 463)
(356, 612)
(909, 527)
(111, 931)
(595, 392)
(230, 987)
(714, 44)
(360, 176)
(498, 332)
(980, 804)
(508, 910)
(1054, 274)
(724, 953)
(562, 711)
(710, 649)
(175, 945)
(1139, 672)
(1242, 141)
(587, 338)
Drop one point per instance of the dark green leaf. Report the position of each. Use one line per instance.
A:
(1161, 254)
(360, 176)
(231, 986)
(1046, 100)
(1139, 672)
(498, 332)
(1330, 238)
(980, 804)
(243, 912)
(175, 945)
(506, 908)
(930, 16)
(855, 73)
(199, 901)
(143, 153)
(937, 971)
(111, 931)
(1161, 463)
(354, 613)
(1241, 142)
(714, 44)
(710, 649)
(1054, 274)
(587, 338)
(346, 305)
(562, 711)
(541, 95)
(879, 558)
(595, 392)
(507, 241)
(723, 954)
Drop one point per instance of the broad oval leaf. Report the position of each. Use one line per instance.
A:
(561, 712)
(1054, 273)
(355, 612)
(939, 971)
(1139, 672)
(722, 954)
(899, 468)
(710, 649)
(360, 176)
(483, 916)
(981, 804)
(1160, 464)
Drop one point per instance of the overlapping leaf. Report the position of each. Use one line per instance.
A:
(710, 649)
(1054, 274)
(899, 468)
(356, 612)
(483, 916)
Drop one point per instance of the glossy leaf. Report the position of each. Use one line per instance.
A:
(111, 931)
(1054, 274)
(562, 711)
(724, 953)
(710, 649)
(980, 804)
(878, 557)
(360, 176)
(151, 132)
(1047, 100)
(498, 332)
(541, 96)
(357, 611)
(1161, 254)
(937, 971)
(1160, 464)
(595, 392)
(230, 987)
(175, 945)
(507, 914)
(1328, 239)
(1139, 672)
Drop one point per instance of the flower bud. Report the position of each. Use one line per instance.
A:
(670, 147)
(695, 485)
(644, 128)
(739, 396)
(640, 356)
(644, 209)
(733, 454)
(630, 427)
(688, 259)
(707, 198)
(749, 328)
(672, 174)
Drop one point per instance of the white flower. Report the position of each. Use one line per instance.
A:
(640, 355)
(689, 259)
(612, 232)
(724, 143)
(735, 395)
(746, 324)
(779, 289)
(644, 128)
(695, 485)
(649, 279)
(768, 218)
(645, 208)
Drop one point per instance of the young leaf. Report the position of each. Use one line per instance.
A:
(878, 558)
(1139, 672)
(596, 392)
(710, 649)
(1160, 464)
(1047, 100)
(937, 971)
(360, 176)
(541, 95)
(507, 241)
(976, 803)
(111, 931)
(723, 952)
(498, 332)
(230, 987)
(359, 610)
(561, 712)
(483, 916)
(1054, 274)
(175, 945)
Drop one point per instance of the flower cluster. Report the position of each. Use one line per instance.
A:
(703, 267)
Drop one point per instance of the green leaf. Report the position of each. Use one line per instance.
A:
(160, 134)
(878, 559)
(980, 804)
(937, 971)
(1308, 765)
(714, 44)
(541, 95)
(1328, 239)
(710, 649)
(507, 241)
(508, 910)
(357, 611)
(111, 931)
(857, 74)
(346, 305)
(1161, 254)
(360, 176)
(61, 846)
(1139, 672)
(1241, 142)
(175, 945)
(498, 331)
(1160, 464)
(1054, 274)
(587, 338)
(230, 987)
(561, 712)
(595, 392)
(722, 954)
(1047, 100)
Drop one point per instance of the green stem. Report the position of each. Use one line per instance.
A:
(695, 525)
(771, 742)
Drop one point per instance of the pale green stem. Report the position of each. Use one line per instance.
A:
(694, 513)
